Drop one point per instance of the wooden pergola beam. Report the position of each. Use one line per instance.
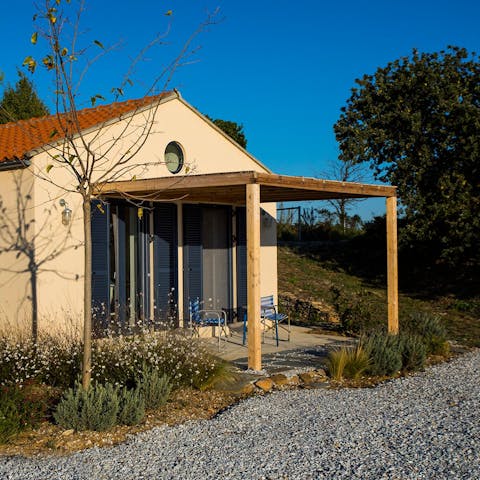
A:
(230, 186)
(392, 265)
(253, 277)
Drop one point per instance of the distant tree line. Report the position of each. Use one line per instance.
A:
(316, 224)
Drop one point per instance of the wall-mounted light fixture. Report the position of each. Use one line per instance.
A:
(66, 213)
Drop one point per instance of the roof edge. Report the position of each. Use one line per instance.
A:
(47, 146)
(15, 164)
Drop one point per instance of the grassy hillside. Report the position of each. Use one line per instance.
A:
(310, 275)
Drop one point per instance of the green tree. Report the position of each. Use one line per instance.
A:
(232, 129)
(21, 102)
(417, 123)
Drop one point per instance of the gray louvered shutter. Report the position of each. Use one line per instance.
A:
(192, 241)
(241, 261)
(165, 260)
(100, 223)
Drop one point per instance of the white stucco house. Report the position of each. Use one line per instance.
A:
(190, 215)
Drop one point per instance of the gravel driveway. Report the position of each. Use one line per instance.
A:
(424, 426)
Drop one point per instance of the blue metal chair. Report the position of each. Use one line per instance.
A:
(207, 318)
(268, 313)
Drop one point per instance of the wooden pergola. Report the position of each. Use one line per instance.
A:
(251, 189)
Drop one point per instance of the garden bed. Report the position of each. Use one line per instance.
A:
(184, 404)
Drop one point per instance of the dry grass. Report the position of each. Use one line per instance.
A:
(348, 362)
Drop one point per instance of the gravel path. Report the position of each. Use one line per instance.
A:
(424, 426)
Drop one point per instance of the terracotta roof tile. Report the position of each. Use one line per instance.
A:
(19, 138)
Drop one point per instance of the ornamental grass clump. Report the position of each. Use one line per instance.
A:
(348, 362)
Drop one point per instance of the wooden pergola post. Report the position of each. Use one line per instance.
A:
(253, 276)
(392, 265)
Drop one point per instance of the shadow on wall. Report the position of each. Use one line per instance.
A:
(27, 244)
(268, 229)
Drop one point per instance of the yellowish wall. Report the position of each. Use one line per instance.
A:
(17, 200)
(60, 283)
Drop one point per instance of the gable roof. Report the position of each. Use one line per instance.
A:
(17, 139)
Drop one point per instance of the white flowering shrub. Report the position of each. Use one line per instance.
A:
(185, 360)
(118, 360)
(52, 360)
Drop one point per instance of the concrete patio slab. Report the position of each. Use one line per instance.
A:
(306, 349)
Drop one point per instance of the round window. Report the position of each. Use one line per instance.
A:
(174, 157)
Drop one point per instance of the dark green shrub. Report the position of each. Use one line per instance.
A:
(355, 310)
(385, 352)
(10, 419)
(92, 409)
(21, 407)
(414, 352)
(131, 406)
(431, 329)
(155, 386)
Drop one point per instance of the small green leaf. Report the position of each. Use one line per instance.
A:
(95, 98)
(48, 62)
(118, 91)
(129, 82)
(30, 63)
(49, 167)
(99, 44)
(168, 13)
(53, 133)
(34, 38)
(64, 52)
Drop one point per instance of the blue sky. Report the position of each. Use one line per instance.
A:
(283, 69)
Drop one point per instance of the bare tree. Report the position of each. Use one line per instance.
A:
(343, 171)
(97, 157)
